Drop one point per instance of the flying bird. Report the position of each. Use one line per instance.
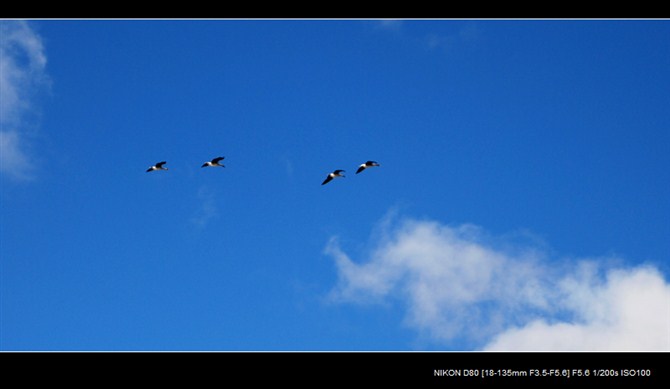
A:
(214, 162)
(366, 165)
(158, 166)
(335, 174)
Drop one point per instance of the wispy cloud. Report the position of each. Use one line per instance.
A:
(465, 35)
(22, 74)
(444, 35)
(389, 24)
(457, 282)
(13, 159)
(207, 208)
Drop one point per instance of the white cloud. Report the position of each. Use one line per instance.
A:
(22, 65)
(457, 282)
(630, 311)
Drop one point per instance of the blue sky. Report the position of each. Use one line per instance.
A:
(522, 200)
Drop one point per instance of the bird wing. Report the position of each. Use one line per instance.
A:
(360, 169)
(327, 180)
(160, 164)
(217, 159)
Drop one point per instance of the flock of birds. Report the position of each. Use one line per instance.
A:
(217, 162)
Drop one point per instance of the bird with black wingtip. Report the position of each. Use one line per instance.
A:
(366, 165)
(158, 166)
(335, 174)
(215, 162)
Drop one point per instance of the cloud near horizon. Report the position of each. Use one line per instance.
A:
(467, 33)
(458, 283)
(22, 73)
